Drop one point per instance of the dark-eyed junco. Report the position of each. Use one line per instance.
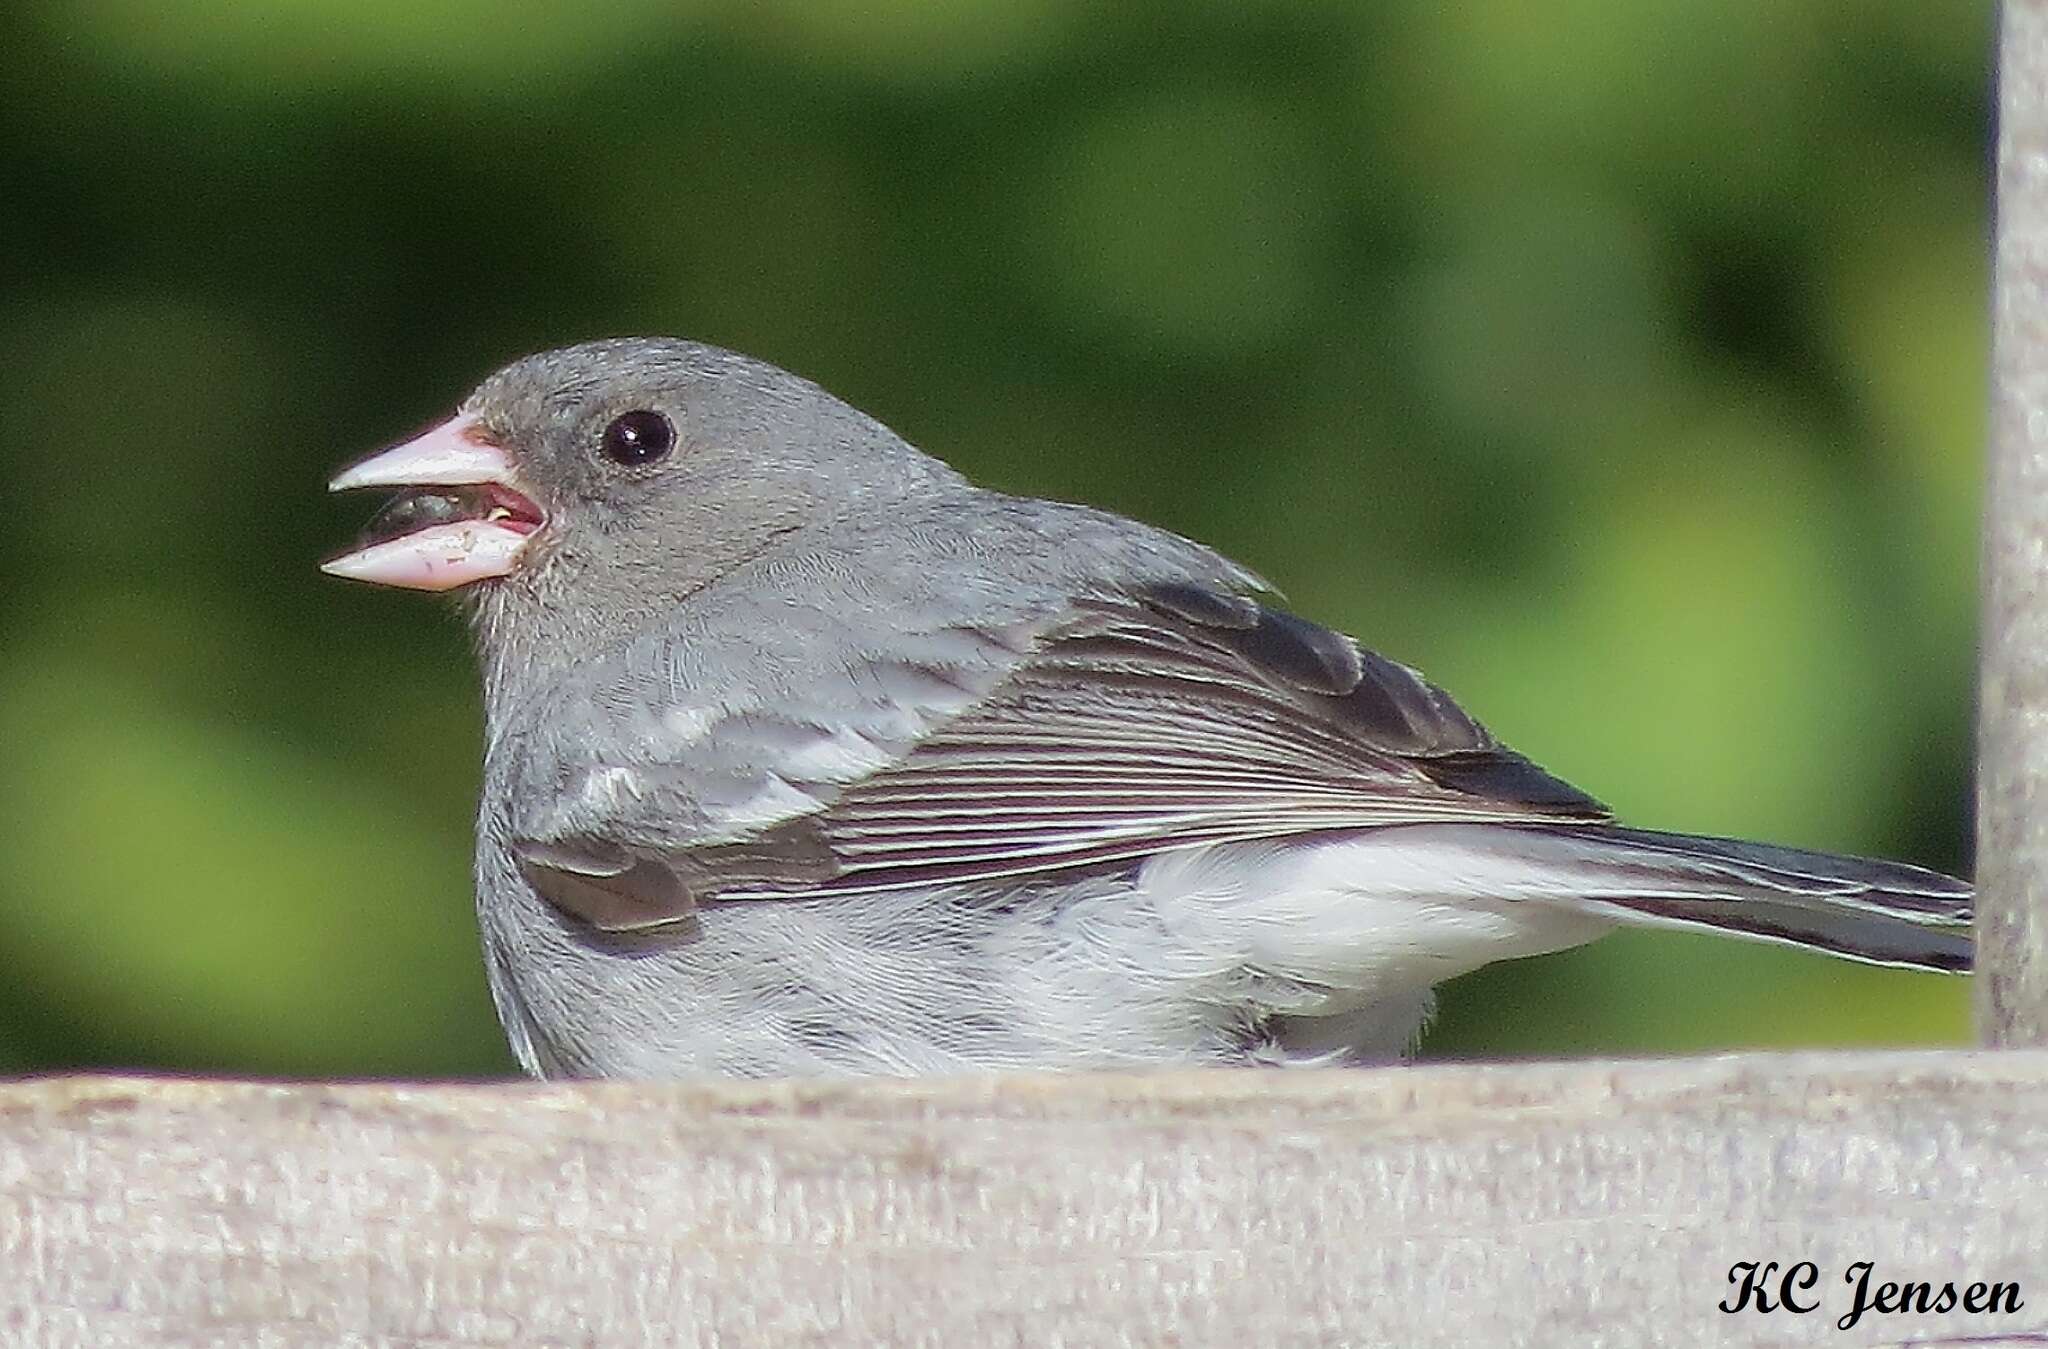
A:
(806, 755)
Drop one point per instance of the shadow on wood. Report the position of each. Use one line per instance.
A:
(1578, 1203)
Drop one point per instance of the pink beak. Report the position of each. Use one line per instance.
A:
(451, 553)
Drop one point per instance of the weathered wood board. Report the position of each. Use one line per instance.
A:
(1592, 1203)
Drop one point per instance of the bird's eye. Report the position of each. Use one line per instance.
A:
(637, 438)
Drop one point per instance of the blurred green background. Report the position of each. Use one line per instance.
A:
(1621, 365)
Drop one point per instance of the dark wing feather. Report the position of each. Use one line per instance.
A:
(1170, 718)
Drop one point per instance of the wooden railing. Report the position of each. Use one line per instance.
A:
(1570, 1203)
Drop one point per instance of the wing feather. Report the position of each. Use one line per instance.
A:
(1142, 726)
(1127, 726)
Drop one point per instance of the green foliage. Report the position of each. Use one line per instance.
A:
(1621, 366)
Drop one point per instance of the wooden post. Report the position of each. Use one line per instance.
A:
(2012, 752)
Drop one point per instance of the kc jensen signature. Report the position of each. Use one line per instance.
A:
(1795, 1288)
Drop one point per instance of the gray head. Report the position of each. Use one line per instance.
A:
(630, 472)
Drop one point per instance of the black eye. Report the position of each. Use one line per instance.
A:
(635, 438)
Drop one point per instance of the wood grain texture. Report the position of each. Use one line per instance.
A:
(2012, 739)
(1589, 1204)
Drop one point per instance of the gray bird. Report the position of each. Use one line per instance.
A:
(805, 755)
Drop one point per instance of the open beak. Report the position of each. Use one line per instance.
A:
(458, 517)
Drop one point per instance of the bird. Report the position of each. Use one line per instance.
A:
(806, 756)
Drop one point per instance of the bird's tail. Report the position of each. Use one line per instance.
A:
(1884, 913)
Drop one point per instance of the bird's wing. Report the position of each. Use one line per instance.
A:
(1123, 726)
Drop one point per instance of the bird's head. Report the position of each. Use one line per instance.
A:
(627, 472)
